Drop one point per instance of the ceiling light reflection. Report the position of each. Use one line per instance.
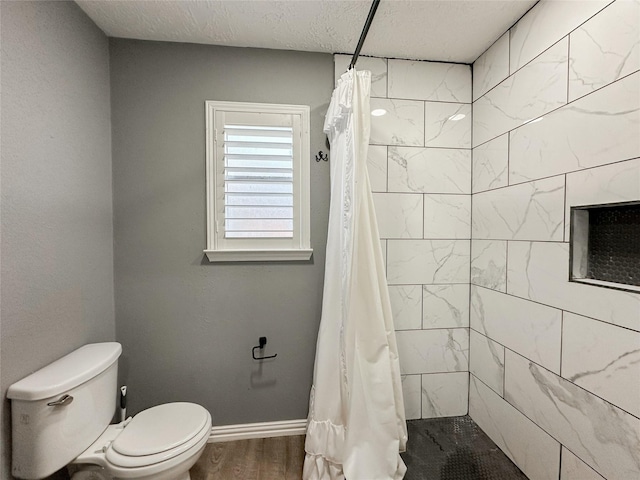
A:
(534, 120)
(456, 117)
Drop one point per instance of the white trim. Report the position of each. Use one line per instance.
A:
(258, 255)
(229, 433)
(245, 249)
(603, 283)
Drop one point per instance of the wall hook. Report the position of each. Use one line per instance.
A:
(262, 341)
(322, 156)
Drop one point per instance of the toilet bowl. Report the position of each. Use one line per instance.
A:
(160, 443)
(61, 417)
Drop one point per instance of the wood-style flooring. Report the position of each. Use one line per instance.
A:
(453, 448)
(278, 458)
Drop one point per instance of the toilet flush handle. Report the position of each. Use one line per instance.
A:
(62, 401)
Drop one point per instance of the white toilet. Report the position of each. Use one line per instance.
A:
(61, 414)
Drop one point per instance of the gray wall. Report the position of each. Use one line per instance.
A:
(187, 326)
(56, 210)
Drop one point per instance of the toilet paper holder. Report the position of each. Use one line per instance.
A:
(262, 341)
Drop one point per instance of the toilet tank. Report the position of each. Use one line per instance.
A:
(47, 437)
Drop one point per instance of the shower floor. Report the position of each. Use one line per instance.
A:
(455, 448)
(439, 449)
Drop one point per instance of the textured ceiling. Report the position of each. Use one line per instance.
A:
(445, 30)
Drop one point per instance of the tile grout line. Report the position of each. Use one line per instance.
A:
(568, 65)
(470, 249)
(564, 213)
(387, 172)
(504, 370)
(417, 100)
(422, 307)
(424, 220)
(561, 341)
(509, 52)
(506, 266)
(508, 159)
(560, 462)
(430, 329)
(421, 396)
(631, 159)
(386, 64)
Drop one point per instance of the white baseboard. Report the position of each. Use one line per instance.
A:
(228, 433)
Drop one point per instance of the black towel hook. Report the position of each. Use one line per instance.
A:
(322, 156)
(262, 341)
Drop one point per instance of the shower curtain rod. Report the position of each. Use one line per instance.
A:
(363, 35)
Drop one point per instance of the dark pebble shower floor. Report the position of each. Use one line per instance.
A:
(454, 448)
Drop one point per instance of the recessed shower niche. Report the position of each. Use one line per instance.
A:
(605, 245)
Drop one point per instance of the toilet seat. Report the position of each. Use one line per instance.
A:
(158, 434)
(168, 464)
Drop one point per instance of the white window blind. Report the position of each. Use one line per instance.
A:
(258, 181)
(258, 198)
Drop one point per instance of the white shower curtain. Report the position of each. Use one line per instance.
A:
(356, 426)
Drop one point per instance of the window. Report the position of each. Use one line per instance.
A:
(257, 182)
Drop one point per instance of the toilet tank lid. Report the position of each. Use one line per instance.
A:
(67, 372)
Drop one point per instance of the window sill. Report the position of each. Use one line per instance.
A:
(259, 255)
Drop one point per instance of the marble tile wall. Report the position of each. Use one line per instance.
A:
(487, 363)
(492, 67)
(491, 164)
(445, 394)
(594, 130)
(445, 306)
(532, 449)
(531, 211)
(523, 326)
(419, 165)
(489, 264)
(546, 23)
(598, 57)
(602, 359)
(522, 97)
(602, 435)
(555, 365)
